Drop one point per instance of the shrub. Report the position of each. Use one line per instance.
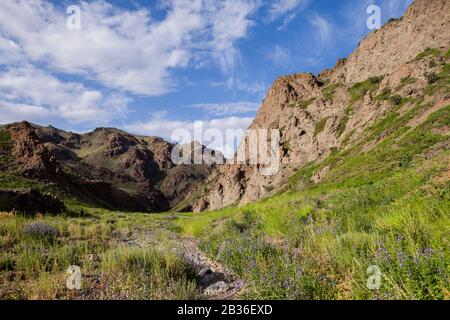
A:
(286, 146)
(343, 124)
(391, 20)
(347, 138)
(432, 63)
(431, 77)
(384, 95)
(7, 263)
(147, 274)
(396, 99)
(438, 82)
(326, 81)
(447, 54)
(41, 230)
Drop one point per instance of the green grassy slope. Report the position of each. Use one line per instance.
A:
(389, 207)
(384, 201)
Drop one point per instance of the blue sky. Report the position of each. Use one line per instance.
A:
(151, 67)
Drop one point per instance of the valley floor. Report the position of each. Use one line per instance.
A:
(312, 244)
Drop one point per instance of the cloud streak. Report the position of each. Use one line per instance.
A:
(223, 109)
(286, 9)
(323, 29)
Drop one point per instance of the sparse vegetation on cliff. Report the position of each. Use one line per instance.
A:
(320, 126)
(359, 90)
(317, 243)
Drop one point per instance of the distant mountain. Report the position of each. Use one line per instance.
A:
(106, 167)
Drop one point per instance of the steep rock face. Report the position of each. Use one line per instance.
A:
(35, 160)
(426, 24)
(317, 114)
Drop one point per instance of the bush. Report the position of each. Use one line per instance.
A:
(7, 263)
(391, 20)
(343, 124)
(396, 99)
(41, 230)
(431, 77)
(303, 104)
(384, 95)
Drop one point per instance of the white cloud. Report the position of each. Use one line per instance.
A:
(13, 112)
(287, 20)
(160, 126)
(324, 29)
(223, 109)
(123, 50)
(127, 50)
(28, 89)
(282, 7)
(230, 24)
(235, 83)
(280, 56)
(10, 52)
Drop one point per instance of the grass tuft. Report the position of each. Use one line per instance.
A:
(320, 126)
(428, 52)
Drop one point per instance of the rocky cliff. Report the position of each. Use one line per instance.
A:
(396, 68)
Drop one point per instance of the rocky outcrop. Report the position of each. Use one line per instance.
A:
(426, 24)
(35, 160)
(318, 114)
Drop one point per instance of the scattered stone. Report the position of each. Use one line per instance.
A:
(217, 288)
(204, 272)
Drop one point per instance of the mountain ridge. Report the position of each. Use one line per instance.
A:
(317, 114)
(107, 166)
